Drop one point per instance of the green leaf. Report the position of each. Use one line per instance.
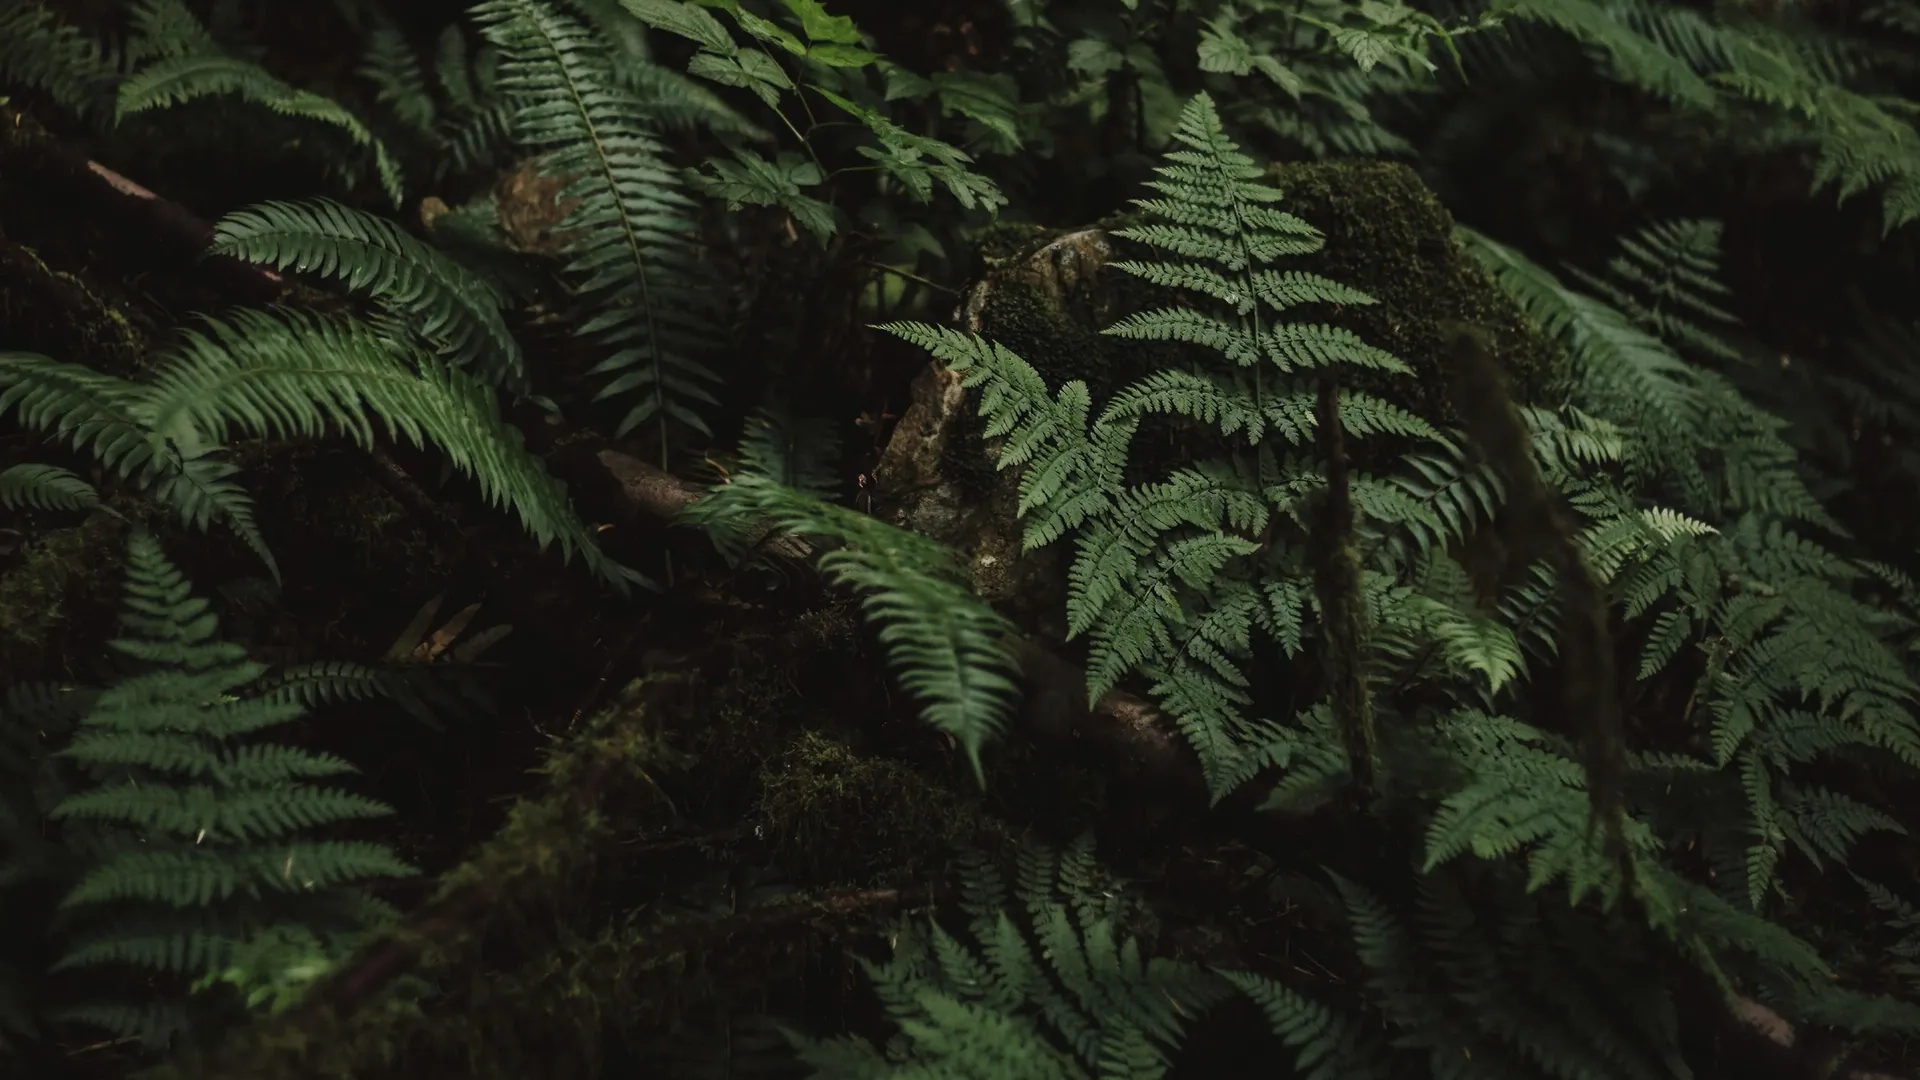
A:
(683, 19)
(845, 56)
(917, 161)
(993, 101)
(821, 27)
(749, 68)
(47, 487)
(1094, 57)
(764, 29)
(1222, 50)
(752, 180)
(902, 83)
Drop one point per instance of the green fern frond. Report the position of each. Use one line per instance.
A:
(400, 84)
(176, 79)
(453, 308)
(1666, 278)
(103, 415)
(1328, 1045)
(1635, 59)
(635, 250)
(1055, 990)
(39, 51)
(212, 825)
(288, 375)
(945, 645)
(801, 453)
(1701, 435)
(163, 29)
(45, 487)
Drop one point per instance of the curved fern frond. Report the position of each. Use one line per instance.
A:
(456, 310)
(176, 79)
(103, 415)
(945, 645)
(289, 375)
(39, 51)
(45, 487)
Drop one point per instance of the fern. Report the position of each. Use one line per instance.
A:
(45, 487)
(1721, 453)
(209, 848)
(635, 248)
(1165, 580)
(288, 375)
(40, 52)
(1078, 998)
(950, 649)
(453, 308)
(187, 66)
(1666, 279)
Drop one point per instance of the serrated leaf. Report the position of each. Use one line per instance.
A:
(751, 179)
(1223, 51)
(822, 27)
(842, 56)
(749, 68)
(686, 20)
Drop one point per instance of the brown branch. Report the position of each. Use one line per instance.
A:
(152, 214)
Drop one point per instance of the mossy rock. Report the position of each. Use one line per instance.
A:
(1388, 235)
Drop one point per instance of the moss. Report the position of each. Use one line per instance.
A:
(1388, 235)
(1004, 240)
(58, 600)
(831, 813)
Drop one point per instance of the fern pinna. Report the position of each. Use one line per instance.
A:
(1171, 578)
(202, 860)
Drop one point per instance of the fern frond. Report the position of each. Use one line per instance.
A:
(41, 52)
(211, 826)
(176, 79)
(945, 645)
(104, 416)
(45, 487)
(290, 375)
(453, 308)
(635, 250)
(1053, 991)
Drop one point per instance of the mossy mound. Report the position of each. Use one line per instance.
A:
(1388, 235)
